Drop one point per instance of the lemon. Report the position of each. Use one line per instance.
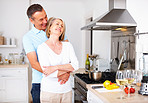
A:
(110, 87)
(106, 83)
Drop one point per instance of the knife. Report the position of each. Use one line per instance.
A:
(96, 87)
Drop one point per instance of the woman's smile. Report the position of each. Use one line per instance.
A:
(58, 29)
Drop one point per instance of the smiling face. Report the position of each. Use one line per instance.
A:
(39, 19)
(57, 27)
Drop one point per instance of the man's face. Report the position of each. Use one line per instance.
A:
(39, 19)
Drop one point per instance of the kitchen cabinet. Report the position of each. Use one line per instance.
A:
(14, 85)
(92, 98)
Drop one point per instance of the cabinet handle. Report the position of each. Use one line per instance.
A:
(6, 76)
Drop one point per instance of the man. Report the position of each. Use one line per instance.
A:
(31, 40)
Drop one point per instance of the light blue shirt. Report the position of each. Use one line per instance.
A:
(31, 41)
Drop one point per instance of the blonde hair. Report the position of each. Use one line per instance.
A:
(49, 24)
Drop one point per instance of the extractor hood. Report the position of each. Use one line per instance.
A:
(116, 17)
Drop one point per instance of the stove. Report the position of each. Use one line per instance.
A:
(80, 81)
(105, 76)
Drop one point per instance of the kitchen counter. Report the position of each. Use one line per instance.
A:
(111, 97)
(14, 65)
(80, 70)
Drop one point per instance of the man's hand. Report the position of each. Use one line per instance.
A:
(63, 78)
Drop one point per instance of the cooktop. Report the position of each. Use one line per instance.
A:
(105, 76)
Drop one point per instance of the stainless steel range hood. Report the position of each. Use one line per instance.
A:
(116, 17)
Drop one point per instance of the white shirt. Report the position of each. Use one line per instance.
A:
(47, 57)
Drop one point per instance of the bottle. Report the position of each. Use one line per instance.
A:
(87, 63)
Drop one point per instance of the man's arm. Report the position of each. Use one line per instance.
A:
(32, 57)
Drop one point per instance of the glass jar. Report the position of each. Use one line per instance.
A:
(6, 59)
(11, 58)
(16, 58)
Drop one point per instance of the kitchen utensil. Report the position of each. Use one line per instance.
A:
(116, 59)
(96, 87)
(95, 75)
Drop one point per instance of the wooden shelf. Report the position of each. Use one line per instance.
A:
(7, 46)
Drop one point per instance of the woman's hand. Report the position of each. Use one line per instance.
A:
(63, 78)
(49, 69)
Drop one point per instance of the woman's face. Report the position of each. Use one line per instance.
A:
(57, 27)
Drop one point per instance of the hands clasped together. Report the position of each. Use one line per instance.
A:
(62, 76)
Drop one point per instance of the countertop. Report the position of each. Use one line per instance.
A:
(14, 65)
(111, 97)
(80, 70)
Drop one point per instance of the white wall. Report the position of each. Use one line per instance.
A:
(71, 12)
(101, 39)
(137, 9)
(13, 22)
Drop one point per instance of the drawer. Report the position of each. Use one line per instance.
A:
(12, 72)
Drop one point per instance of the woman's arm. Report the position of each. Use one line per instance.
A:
(71, 66)
(44, 60)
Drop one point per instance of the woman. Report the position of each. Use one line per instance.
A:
(57, 55)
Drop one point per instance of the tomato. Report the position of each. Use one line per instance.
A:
(112, 83)
(126, 90)
(132, 90)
